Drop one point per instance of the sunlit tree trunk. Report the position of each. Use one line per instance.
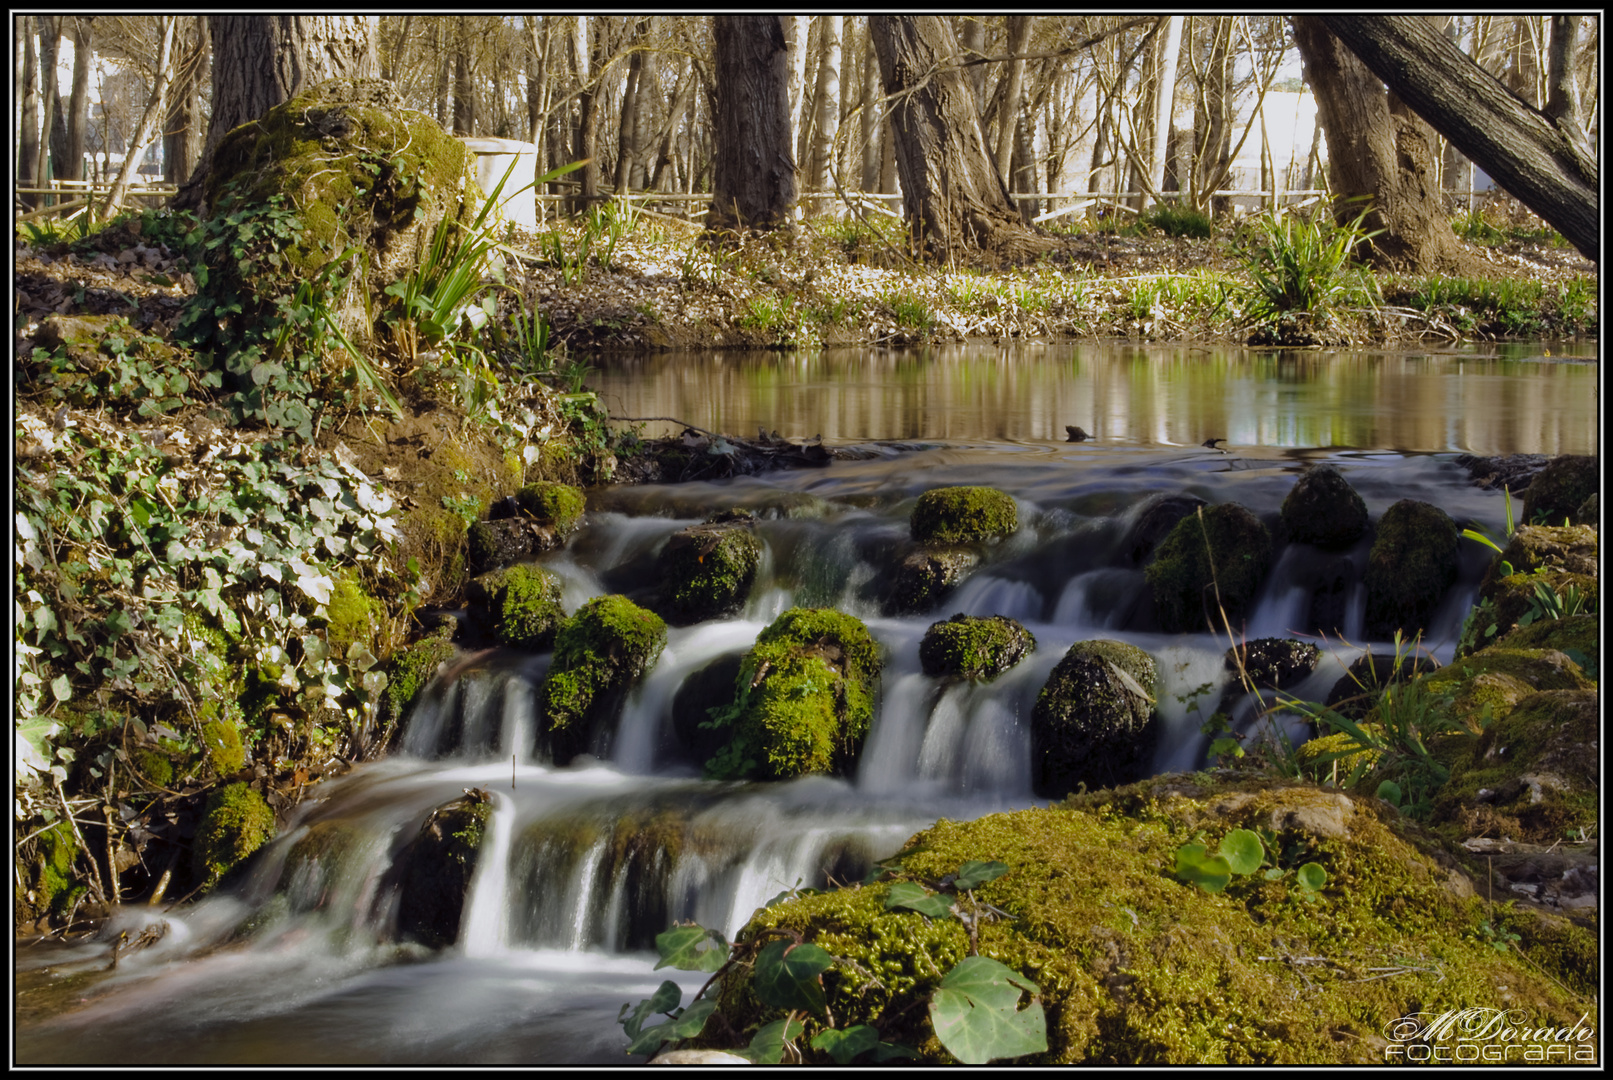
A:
(753, 179)
(826, 99)
(182, 134)
(797, 31)
(1165, 103)
(1019, 36)
(28, 141)
(78, 109)
(50, 36)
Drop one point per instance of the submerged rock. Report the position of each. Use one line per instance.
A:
(709, 569)
(804, 698)
(1094, 723)
(960, 515)
(977, 649)
(1412, 563)
(711, 687)
(1187, 588)
(598, 654)
(434, 870)
(1558, 490)
(1323, 509)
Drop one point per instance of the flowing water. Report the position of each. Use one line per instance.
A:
(580, 867)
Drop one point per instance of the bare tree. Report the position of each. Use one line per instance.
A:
(150, 122)
(753, 183)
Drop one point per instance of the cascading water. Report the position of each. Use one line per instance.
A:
(579, 867)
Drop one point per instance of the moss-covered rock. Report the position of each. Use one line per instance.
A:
(804, 698)
(1571, 549)
(1094, 722)
(235, 823)
(966, 647)
(557, 506)
(1157, 516)
(1485, 686)
(316, 862)
(1323, 509)
(153, 766)
(1588, 514)
(598, 653)
(519, 605)
(434, 870)
(1274, 663)
(408, 671)
(1187, 585)
(54, 887)
(221, 740)
(1412, 563)
(352, 616)
(1558, 490)
(494, 544)
(1135, 966)
(1576, 636)
(922, 578)
(709, 569)
(961, 515)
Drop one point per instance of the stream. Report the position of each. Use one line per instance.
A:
(582, 866)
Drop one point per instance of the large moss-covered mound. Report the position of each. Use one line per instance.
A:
(804, 698)
(1412, 563)
(977, 649)
(1135, 966)
(959, 515)
(1188, 586)
(598, 653)
(1323, 509)
(1093, 723)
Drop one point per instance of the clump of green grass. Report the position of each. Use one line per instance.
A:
(1299, 264)
(911, 310)
(1173, 220)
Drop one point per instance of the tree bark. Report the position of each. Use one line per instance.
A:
(260, 61)
(1520, 147)
(1377, 149)
(797, 31)
(1019, 37)
(753, 182)
(1165, 105)
(628, 126)
(181, 140)
(150, 122)
(955, 199)
(50, 36)
(28, 143)
(827, 119)
(464, 90)
(1562, 85)
(78, 109)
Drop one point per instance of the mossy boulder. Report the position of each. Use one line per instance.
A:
(558, 507)
(221, 740)
(235, 823)
(1521, 601)
(1411, 565)
(1274, 663)
(518, 605)
(977, 649)
(1094, 722)
(923, 577)
(1576, 636)
(1323, 509)
(1558, 490)
(408, 671)
(1571, 549)
(1485, 686)
(961, 515)
(54, 887)
(598, 654)
(1187, 584)
(1136, 966)
(709, 569)
(804, 698)
(434, 870)
(1155, 519)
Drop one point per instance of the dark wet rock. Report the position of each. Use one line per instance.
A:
(1411, 565)
(1357, 690)
(708, 569)
(1076, 434)
(1560, 489)
(1275, 663)
(1186, 591)
(1323, 509)
(961, 515)
(1094, 721)
(1157, 518)
(1587, 514)
(598, 654)
(492, 544)
(1513, 472)
(804, 699)
(434, 870)
(923, 577)
(711, 687)
(408, 671)
(1330, 594)
(978, 649)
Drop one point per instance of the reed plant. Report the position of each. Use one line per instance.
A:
(1299, 264)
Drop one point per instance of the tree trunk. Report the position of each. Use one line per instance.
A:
(956, 202)
(1562, 85)
(827, 121)
(628, 125)
(972, 37)
(1377, 149)
(78, 109)
(753, 183)
(260, 61)
(797, 30)
(150, 122)
(1019, 36)
(645, 98)
(1527, 154)
(50, 37)
(1165, 103)
(181, 140)
(28, 143)
(682, 98)
(464, 90)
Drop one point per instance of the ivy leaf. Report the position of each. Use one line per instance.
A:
(973, 874)
(976, 1014)
(767, 1047)
(1242, 850)
(664, 1000)
(691, 948)
(906, 894)
(686, 1025)
(62, 687)
(844, 1046)
(787, 976)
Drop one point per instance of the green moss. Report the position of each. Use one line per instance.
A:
(153, 767)
(1089, 725)
(709, 570)
(598, 653)
(407, 672)
(1576, 633)
(352, 615)
(976, 649)
(222, 740)
(235, 823)
(805, 698)
(55, 890)
(1187, 586)
(1412, 563)
(524, 602)
(1138, 967)
(557, 505)
(957, 515)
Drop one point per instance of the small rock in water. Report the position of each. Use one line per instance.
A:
(698, 1057)
(1076, 434)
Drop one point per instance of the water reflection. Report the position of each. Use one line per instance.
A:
(1515, 400)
